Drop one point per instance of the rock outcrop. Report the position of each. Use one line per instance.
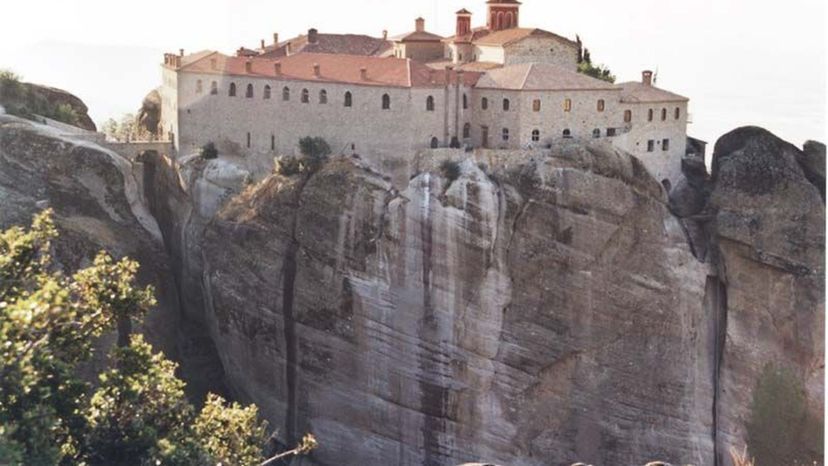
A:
(535, 315)
(770, 238)
(547, 309)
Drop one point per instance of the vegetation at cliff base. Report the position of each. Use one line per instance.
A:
(136, 413)
(781, 428)
(23, 100)
(209, 151)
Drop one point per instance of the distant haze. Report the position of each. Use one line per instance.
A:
(740, 62)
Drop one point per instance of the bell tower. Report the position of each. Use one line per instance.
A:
(503, 14)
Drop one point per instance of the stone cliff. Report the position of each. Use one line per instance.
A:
(547, 310)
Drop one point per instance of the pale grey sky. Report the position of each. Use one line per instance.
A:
(739, 61)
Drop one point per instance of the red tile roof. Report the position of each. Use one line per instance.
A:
(348, 44)
(510, 36)
(475, 34)
(638, 92)
(336, 68)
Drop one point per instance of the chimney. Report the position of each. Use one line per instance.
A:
(277, 68)
(313, 36)
(180, 52)
(363, 73)
(385, 34)
(287, 48)
(316, 70)
(275, 38)
(248, 66)
(419, 25)
(263, 44)
(463, 22)
(647, 77)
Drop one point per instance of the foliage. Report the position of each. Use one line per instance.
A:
(781, 429)
(26, 101)
(127, 129)
(450, 170)
(315, 151)
(586, 67)
(596, 71)
(307, 445)
(138, 413)
(209, 151)
(232, 434)
(10, 85)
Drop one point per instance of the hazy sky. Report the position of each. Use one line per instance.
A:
(739, 61)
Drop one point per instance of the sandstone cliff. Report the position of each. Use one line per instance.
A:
(545, 310)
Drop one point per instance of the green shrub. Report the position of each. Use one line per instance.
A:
(209, 151)
(781, 428)
(315, 151)
(11, 86)
(66, 114)
(450, 170)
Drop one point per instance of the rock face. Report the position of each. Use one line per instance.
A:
(546, 309)
(539, 315)
(770, 235)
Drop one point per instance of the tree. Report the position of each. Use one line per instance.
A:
(138, 413)
(209, 151)
(586, 67)
(315, 151)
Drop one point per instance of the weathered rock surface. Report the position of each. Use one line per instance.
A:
(543, 311)
(770, 236)
(96, 205)
(548, 313)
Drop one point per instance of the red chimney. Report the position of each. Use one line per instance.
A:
(263, 45)
(313, 35)
(463, 22)
(647, 77)
(419, 25)
(275, 38)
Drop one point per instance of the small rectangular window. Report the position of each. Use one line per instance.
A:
(665, 145)
(248, 140)
(650, 145)
(272, 142)
(610, 132)
(536, 105)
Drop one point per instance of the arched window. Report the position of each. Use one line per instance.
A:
(305, 96)
(505, 134)
(600, 105)
(213, 88)
(323, 96)
(466, 131)
(627, 116)
(536, 105)
(249, 93)
(506, 105)
(596, 133)
(484, 103)
(650, 115)
(267, 91)
(508, 22)
(567, 105)
(567, 133)
(435, 143)
(430, 104)
(535, 135)
(285, 93)
(199, 88)
(500, 20)
(348, 99)
(663, 114)
(232, 91)
(386, 101)
(465, 102)
(678, 113)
